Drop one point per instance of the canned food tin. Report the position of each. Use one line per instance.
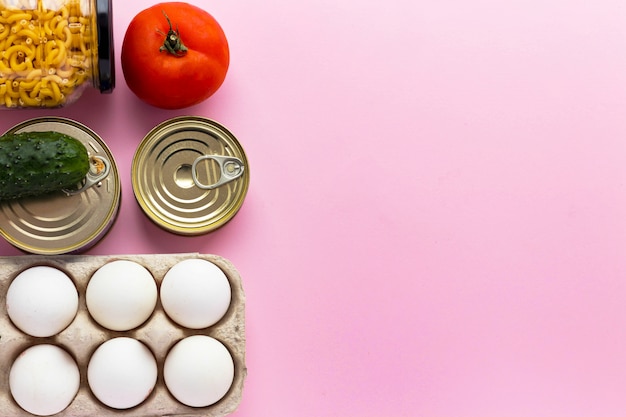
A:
(190, 175)
(65, 221)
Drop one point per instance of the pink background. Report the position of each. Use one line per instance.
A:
(436, 221)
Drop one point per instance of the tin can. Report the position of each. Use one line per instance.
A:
(65, 221)
(190, 175)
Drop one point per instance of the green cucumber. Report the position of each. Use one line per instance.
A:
(36, 163)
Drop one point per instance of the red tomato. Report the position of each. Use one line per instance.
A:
(174, 55)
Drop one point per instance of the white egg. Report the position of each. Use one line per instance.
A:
(121, 295)
(44, 380)
(199, 371)
(42, 301)
(195, 293)
(122, 372)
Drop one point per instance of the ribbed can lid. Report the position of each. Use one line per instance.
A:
(190, 175)
(61, 223)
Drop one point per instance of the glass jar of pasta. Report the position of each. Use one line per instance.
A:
(51, 50)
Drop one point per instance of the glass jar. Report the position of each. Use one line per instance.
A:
(51, 50)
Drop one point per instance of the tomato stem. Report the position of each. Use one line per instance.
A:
(173, 44)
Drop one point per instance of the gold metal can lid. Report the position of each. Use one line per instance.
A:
(190, 175)
(65, 221)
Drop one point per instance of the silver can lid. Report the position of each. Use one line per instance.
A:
(65, 222)
(190, 175)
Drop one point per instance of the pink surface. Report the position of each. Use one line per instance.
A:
(436, 220)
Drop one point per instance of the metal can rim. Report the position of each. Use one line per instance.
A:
(112, 212)
(153, 137)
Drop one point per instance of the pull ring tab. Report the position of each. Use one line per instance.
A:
(98, 170)
(231, 168)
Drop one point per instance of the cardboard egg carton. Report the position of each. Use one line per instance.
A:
(159, 333)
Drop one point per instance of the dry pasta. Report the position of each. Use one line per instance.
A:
(47, 50)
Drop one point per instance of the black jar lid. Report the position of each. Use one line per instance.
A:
(106, 62)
